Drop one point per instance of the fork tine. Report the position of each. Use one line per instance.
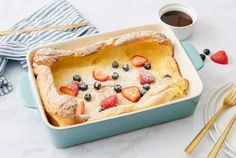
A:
(234, 86)
(234, 94)
(232, 91)
(231, 96)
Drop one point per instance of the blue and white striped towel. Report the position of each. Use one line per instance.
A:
(15, 46)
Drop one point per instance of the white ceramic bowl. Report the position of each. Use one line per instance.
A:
(183, 32)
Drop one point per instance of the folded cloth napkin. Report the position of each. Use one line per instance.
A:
(15, 46)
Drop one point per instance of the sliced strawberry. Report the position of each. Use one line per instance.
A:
(138, 60)
(80, 108)
(220, 57)
(100, 76)
(109, 102)
(131, 93)
(146, 77)
(71, 88)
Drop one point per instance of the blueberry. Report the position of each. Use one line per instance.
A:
(115, 75)
(206, 51)
(77, 78)
(147, 66)
(142, 92)
(125, 67)
(118, 88)
(97, 85)
(87, 96)
(101, 109)
(146, 87)
(203, 57)
(83, 86)
(166, 76)
(115, 64)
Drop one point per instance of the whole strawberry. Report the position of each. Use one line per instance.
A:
(109, 102)
(220, 57)
(146, 77)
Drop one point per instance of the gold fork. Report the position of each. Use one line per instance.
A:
(61, 27)
(229, 101)
(222, 138)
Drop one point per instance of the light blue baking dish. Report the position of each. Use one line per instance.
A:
(188, 60)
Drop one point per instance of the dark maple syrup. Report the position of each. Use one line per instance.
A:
(176, 18)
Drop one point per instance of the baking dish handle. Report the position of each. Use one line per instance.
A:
(25, 93)
(193, 55)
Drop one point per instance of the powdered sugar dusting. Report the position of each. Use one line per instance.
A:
(161, 39)
(47, 56)
(90, 49)
(62, 104)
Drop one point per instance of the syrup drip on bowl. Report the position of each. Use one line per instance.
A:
(176, 18)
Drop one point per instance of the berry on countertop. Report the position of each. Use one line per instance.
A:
(76, 77)
(118, 88)
(203, 57)
(166, 76)
(146, 87)
(83, 86)
(142, 92)
(115, 75)
(147, 66)
(97, 85)
(100, 76)
(125, 67)
(109, 102)
(71, 88)
(87, 96)
(80, 108)
(138, 60)
(146, 77)
(220, 57)
(115, 64)
(206, 51)
(131, 93)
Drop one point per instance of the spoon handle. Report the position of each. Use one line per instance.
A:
(221, 140)
(189, 149)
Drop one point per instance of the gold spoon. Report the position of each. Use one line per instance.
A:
(222, 138)
(61, 27)
(229, 101)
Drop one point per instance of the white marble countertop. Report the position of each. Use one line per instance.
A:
(22, 132)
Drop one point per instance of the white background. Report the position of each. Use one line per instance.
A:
(22, 132)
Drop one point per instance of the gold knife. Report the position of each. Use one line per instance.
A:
(222, 138)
